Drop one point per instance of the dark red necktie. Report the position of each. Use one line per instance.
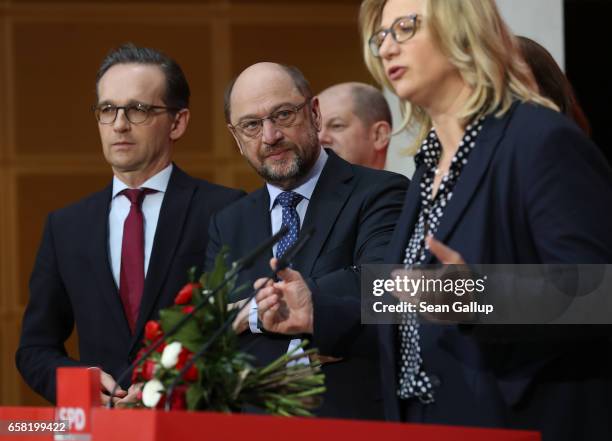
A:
(131, 280)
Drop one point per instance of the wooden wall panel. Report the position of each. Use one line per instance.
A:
(325, 53)
(248, 179)
(3, 91)
(53, 114)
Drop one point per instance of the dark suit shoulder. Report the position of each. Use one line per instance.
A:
(214, 196)
(243, 205)
(218, 189)
(536, 134)
(374, 175)
(80, 208)
(213, 192)
(364, 179)
(531, 121)
(218, 195)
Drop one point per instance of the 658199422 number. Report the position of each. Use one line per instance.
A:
(13, 427)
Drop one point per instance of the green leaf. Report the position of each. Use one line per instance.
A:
(194, 396)
(188, 335)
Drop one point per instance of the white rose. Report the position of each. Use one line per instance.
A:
(152, 392)
(170, 355)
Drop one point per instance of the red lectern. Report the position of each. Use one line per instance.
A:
(79, 409)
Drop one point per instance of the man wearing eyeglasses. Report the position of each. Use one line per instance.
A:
(109, 262)
(274, 119)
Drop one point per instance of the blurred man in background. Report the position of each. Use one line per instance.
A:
(356, 123)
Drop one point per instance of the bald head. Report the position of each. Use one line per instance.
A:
(367, 102)
(268, 72)
(356, 123)
(271, 114)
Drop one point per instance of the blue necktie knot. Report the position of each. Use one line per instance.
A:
(289, 199)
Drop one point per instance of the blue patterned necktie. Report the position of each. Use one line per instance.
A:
(288, 200)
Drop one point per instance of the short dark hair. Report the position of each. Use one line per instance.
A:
(177, 89)
(370, 105)
(298, 78)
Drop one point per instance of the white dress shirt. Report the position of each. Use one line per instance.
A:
(119, 210)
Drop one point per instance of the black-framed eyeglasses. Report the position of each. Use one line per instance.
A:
(402, 29)
(283, 117)
(135, 113)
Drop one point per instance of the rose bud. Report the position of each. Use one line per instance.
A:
(148, 370)
(184, 355)
(170, 355)
(184, 295)
(152, 330)
(179, 398)
(152, 392)
(191, 374)
(161, 348)
(188, 309)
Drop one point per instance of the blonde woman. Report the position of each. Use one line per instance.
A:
(502, 177)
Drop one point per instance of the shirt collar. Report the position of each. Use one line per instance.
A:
(310, 182)
(158, 182)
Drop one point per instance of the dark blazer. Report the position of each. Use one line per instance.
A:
(354, 210)
(72, 282)
(534, 190)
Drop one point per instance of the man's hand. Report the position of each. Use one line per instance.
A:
(285, 307)
(131, 397)
(241, 322)
(107, 384)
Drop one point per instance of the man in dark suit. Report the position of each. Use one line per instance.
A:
(274, 118)
(109, 262)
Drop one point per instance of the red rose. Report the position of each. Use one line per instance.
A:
(161, 348)
(184, 357)
(143, 371)
(188, 309)
(191, 374)
(148, 369)
(179, 399)
(152, 330)
(184, 295)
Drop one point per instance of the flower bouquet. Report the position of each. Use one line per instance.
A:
(223, 379)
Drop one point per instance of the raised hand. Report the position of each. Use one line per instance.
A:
(285, 307)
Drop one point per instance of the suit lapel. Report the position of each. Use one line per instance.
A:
(99, 260)
(260, 228)
(331, 193)
(473, 173)
(170, 224)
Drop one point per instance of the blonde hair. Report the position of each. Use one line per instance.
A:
(478, 42)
